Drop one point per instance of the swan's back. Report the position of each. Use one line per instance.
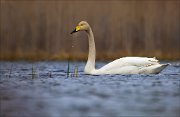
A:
(132, 65)
(131, 61)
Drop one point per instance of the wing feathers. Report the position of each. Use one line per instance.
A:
(131, 61)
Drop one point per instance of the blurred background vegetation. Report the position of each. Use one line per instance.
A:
(41, 29)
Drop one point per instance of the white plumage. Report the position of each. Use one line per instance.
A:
(125, 65)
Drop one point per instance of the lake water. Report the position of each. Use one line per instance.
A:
(42, 89)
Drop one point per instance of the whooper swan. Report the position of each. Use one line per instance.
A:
(125, 65)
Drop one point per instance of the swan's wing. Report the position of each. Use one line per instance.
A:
(130, 61)
(140, 61)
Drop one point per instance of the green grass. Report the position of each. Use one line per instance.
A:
(33, 72)
(76, 71)
(68, 69)
(74, 74)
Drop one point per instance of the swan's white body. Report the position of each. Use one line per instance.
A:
(125, 65)
(129, 65)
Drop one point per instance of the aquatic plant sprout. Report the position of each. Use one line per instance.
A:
(68, 69)
(33, 72)
(10, 70)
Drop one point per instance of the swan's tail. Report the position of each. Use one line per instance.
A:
(160, 67)
(153, 69)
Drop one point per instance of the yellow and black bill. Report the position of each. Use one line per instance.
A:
(76, 29)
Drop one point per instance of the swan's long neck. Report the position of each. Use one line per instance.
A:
(90, 65)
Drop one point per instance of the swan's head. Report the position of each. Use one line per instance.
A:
(83, 25)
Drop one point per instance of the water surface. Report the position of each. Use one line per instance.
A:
(49, 92)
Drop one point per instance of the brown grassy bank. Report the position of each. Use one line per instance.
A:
(40, 29)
